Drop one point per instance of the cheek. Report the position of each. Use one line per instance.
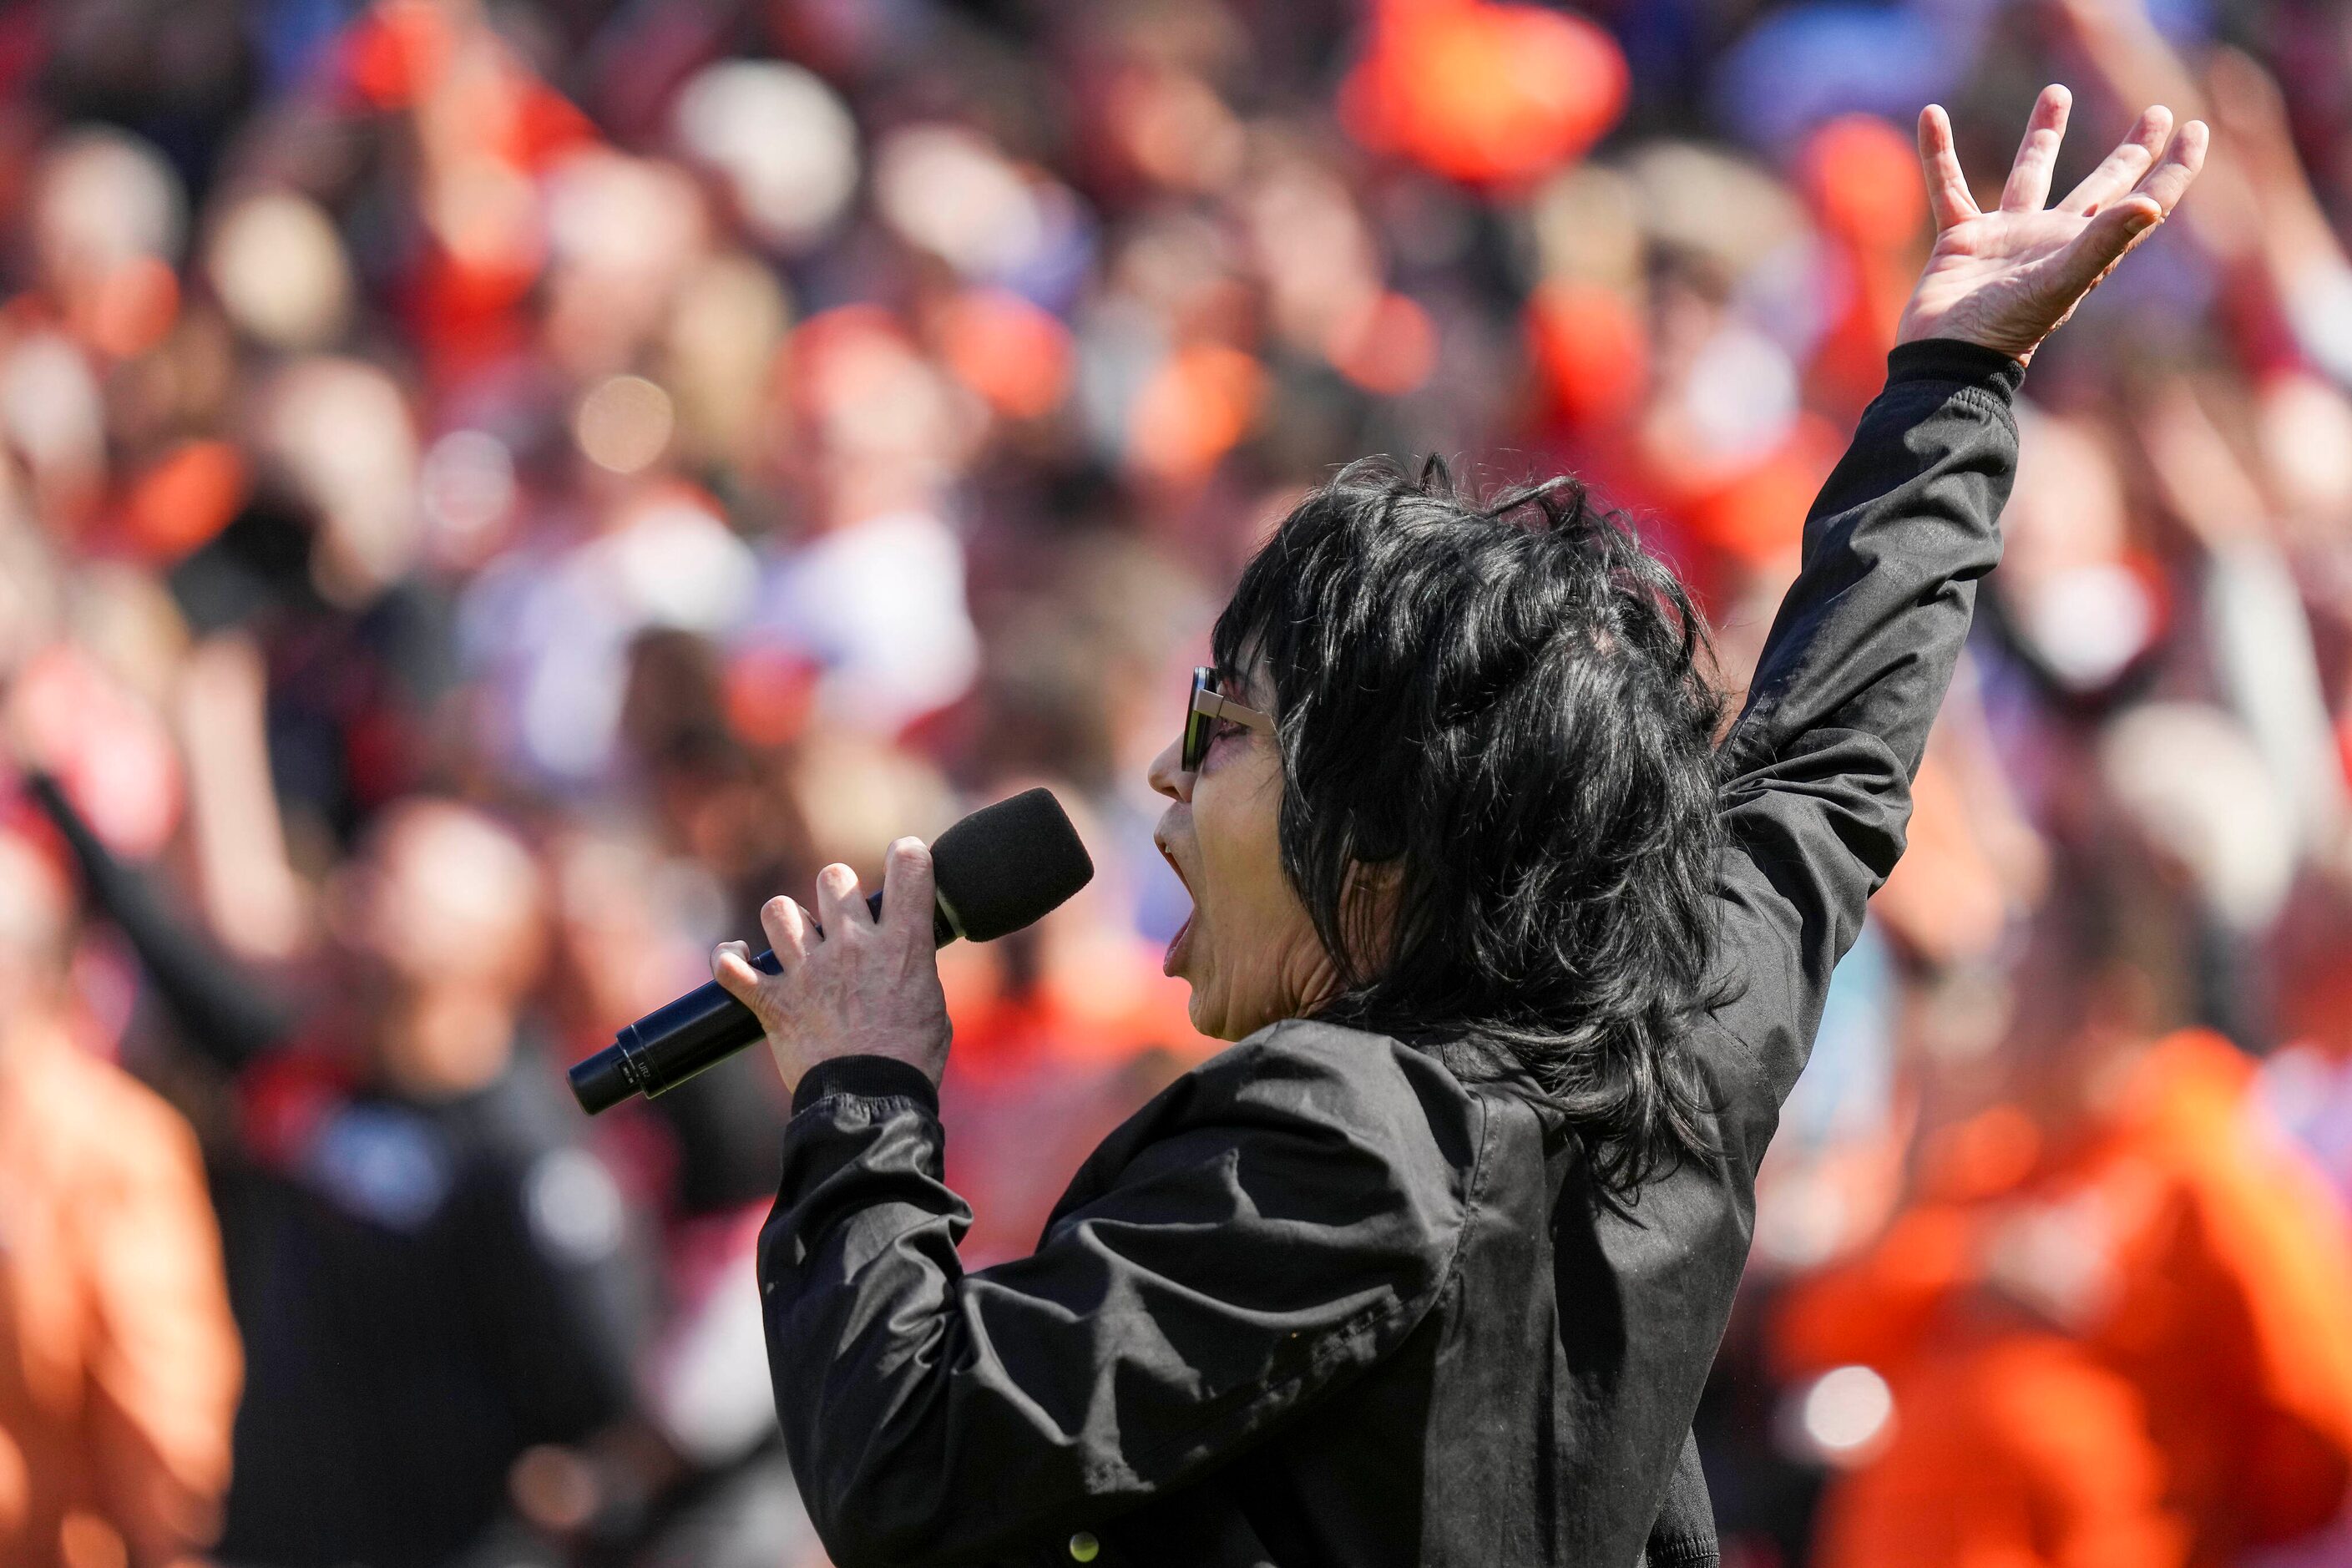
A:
(1252, 927)
(1238, 814)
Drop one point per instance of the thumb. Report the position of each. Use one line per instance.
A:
(730, 965)
(2103, 242)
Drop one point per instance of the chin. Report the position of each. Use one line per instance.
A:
(1207, 1018)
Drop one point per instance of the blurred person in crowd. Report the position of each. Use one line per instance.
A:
(436, 1283)
(1461, 850)
(2108, 1326)
(118, 1362)
(725, 811)
(2306, 1084)
(1918, 1001)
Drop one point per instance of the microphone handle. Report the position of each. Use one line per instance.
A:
(700, 1030)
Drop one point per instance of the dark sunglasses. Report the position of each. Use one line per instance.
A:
(1203, 712)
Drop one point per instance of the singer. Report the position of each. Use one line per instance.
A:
(1430, 1267)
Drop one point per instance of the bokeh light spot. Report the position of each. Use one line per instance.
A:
(623, 423)
(468, 485)
(1010, 352)
(277, 264)
(1389, 348)
(188, 495)
(1846, 1412)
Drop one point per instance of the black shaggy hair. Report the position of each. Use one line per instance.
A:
(1502, 711)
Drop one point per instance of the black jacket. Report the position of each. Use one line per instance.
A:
(1334, 1298)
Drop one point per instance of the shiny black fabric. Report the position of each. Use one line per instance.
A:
(1334, 1298)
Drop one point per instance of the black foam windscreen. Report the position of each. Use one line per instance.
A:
(1007, 865)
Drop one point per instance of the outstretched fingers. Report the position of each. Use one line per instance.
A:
(2028, 176)
(1947, 187)
(2117, 229)
(2169, 180)
(2122, 168)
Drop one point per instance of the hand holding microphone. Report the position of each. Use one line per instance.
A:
(858, 977)
(850, 981)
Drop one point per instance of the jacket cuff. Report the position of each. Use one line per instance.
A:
(866, 1077)
(1951, 360)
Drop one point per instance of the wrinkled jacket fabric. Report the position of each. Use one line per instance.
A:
(1334, 1298)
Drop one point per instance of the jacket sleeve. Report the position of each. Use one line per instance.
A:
(1816, 770)
(1283, 1218)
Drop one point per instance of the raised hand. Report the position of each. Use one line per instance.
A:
(2006, 278)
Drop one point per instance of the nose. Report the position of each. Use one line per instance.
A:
(1166, 778)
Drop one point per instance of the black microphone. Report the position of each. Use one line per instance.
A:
(1002, 867)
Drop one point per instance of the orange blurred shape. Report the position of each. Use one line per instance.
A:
(547, 126)
(1192, 411)
(1389, 348)
(823, 354)
(397, 50)
(1008, 351)
(86, 1540)
(1757, 517)
(1484, 94)
(1862, 176)
(767, 694)
(131, 308)
(1590, 347)
(2027, 1450)
(184, 498)
(1985, 1155)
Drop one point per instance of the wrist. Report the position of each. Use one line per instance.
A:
(867, 1077)
(1960, 359)
(1943, 328)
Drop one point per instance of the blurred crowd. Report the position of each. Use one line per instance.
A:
(490, 491)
